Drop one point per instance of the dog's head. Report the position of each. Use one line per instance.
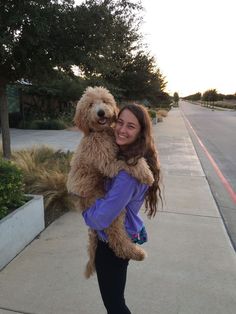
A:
(96, 110)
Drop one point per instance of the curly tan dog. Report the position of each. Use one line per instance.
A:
(93, 161)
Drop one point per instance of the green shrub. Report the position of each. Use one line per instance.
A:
(11, 188)
(44, 125)
(152, 113)
(67, 118)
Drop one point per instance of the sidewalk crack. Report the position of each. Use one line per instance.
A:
(186, 214)
(15, 311)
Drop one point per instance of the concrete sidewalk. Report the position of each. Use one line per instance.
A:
(191, 265)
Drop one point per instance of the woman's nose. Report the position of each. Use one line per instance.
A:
(123, 129)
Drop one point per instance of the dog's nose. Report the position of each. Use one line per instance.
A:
(101, 113)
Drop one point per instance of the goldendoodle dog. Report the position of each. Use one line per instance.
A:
(94, 160)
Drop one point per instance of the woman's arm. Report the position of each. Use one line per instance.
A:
(101, 214)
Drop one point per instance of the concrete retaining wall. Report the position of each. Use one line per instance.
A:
(19, 228)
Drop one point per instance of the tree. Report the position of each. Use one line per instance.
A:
(210, 95)
(136, 76)
(139, 78)
(33, 34)
(113, 47)
(109, 37)
(194, 97)
(119, 63)
(176, 98)
(49, 100)
(44, 37)
(39, 38)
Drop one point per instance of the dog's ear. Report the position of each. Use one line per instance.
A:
(80, 122)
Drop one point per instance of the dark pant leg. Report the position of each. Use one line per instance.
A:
(111, 273)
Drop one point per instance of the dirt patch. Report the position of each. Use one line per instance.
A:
(51, 215)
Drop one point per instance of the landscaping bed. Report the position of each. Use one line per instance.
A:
(45, 173)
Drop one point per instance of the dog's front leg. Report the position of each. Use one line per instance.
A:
(141, 172)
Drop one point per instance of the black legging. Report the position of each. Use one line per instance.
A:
(111, 274)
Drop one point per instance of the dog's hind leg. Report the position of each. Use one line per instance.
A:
(92, 246)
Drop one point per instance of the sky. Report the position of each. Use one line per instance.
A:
(193, 42)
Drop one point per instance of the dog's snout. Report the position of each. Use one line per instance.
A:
(101, 113)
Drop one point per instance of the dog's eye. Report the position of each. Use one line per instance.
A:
(90, 105)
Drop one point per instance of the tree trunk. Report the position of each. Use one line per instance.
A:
(4, 122)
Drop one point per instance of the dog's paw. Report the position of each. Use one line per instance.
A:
(139, 254)
(89, 270)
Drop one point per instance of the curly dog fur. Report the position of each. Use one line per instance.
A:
(93, 161)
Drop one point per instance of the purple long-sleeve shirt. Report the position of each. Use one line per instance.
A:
(122, 191)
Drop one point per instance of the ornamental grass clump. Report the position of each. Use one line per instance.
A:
(11, 188)
(45, 173)
(162, 113)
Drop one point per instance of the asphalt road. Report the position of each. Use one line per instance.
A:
(217, 132)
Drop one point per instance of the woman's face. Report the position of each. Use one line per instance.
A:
(127, 128)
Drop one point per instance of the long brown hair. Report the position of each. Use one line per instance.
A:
(144, 147)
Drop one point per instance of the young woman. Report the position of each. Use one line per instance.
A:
(133, 134)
